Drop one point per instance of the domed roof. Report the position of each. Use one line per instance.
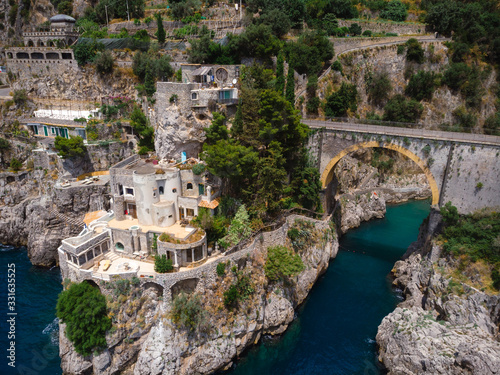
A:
(62, 18)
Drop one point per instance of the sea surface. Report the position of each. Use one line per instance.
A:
(36, 327)
(334, 332)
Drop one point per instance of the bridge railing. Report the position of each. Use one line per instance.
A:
(401, 129)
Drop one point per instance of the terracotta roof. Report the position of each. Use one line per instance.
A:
(210, 205)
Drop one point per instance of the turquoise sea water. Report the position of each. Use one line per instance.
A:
(36, 330)
(335, 330)
(333, 334)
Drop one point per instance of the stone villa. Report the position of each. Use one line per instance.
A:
(149, 198)
(44, 50)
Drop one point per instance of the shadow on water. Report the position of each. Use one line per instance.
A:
(336, 326)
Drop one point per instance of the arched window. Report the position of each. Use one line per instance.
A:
(189, 186)
(194, 96)
(160, 189)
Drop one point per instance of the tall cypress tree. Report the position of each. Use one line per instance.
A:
(160, 33)
(280, 73)
(290, 86)
(149, 81)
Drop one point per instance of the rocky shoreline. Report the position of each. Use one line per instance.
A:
(441, 327)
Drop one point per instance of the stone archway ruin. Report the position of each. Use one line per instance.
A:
(327, 174)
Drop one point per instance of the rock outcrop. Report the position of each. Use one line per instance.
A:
(363, 190)
(152, 343)
(178, 131)
(442, 326)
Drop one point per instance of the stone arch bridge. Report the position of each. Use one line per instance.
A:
(460, 167)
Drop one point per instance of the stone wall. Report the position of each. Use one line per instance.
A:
(387, 26)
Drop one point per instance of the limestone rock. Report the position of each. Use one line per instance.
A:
(278, 314)
(177, 132)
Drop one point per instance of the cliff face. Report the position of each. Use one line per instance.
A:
(35, 214)
(150, 342)
(366, 181)
(442, 327)
(77, 83)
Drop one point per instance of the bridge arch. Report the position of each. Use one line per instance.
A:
(327, 175)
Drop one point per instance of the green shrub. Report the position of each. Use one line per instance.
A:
(231, 296)
(491, 125)
(394, 10)
(87, 51)
(367, 33)
(401, 49)
(239, 291)
(414, 51)
(495, 277)
(379, 87)
(20, 97)
(4, 144)
(400, 109)
(70, 148)
(337, 65)
(422, 85)
(15, 164)
(339, 102)
(173, 98)
(355, 29)
(104, 62)
(221, 269)
(83, 309)
(162, 264)
(464, 121)
(122, 287)
(188, 312)
(198, 169)
(313, 105)
(467, 80)
(426, 150)
(135, 281)
(479, 185)
(282, 263)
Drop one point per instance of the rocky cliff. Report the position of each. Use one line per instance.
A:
(443, 326)
(367, 180)
(147, 340)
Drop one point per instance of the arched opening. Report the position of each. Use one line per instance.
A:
(30, 43)
(39, 43)
(161, 190)
(66, 56)
(119, 246)
(22, 55)
(154, 286)
(50, 43)
(189, 186)
(52, 56)
(9, 55)
(37, 56)
(327, 174)
(187, 286)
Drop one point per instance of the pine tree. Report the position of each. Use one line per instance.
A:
(290, 86)
(160, 33)
(280, 74)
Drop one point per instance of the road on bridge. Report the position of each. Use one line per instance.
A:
(405, 132)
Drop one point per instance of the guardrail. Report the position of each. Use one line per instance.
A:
(409, 132)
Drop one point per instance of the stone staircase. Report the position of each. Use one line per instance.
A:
(68, 220)
(112, 256)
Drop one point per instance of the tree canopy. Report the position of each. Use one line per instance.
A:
(83, 309)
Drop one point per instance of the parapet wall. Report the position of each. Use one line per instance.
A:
(388, 27)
